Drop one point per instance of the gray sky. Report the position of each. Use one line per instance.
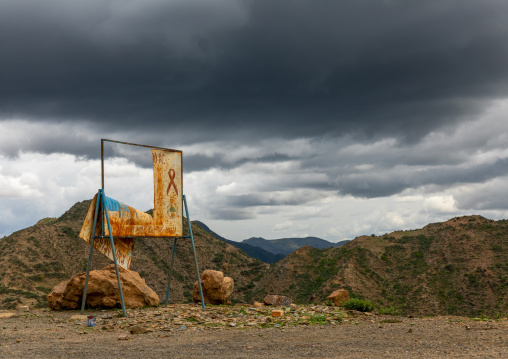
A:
(326, 118)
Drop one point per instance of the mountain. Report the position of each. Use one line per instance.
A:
(252, 251)
(35, 259)
(286, 246)
(456, 267)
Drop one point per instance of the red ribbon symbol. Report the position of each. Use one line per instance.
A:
(172, 176)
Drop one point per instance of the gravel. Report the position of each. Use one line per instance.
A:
(186, 331)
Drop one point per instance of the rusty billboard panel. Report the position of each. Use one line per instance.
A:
(168, 190)
(127, 222)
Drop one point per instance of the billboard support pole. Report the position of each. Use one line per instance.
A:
(191, 236)
(101, 203)
(97, 205)
(114, 257)
(170, 271)
(194, 251)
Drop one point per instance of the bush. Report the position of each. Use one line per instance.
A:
(359, 304)
(390, 311)
(36, 278)
(44, 289)
(329, 303)
(318, 319)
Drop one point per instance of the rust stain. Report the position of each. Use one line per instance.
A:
(126, 221)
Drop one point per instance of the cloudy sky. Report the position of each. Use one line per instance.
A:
(329, 118)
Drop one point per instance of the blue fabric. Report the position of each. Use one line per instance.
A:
(112, 205)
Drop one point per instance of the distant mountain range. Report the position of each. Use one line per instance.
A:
(285, 246)
(273, 250)
(252, 250)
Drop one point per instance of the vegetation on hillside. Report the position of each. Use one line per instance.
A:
(34, 260)
(456, 267)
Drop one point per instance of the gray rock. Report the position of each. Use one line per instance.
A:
(277, 300)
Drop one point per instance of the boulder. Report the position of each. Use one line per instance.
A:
(7, 315)
(277, 300)
(217, 289)
(103, 290)
(339, 297)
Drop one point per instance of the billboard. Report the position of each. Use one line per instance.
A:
(127, 222)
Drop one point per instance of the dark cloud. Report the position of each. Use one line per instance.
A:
(385, 182)
(485, 197)
(232, 214)
(300, 100)
(272, 199)
(193, 71)
(196, 162)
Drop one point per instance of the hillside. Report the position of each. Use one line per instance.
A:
(252, 251)
(456, 267)
(285, 246)
(37, 258)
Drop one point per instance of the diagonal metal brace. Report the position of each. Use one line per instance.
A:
(100, 204)
(191, 236)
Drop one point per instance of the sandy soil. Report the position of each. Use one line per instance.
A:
(222, 332)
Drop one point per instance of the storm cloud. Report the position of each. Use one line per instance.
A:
(278, 106)
(278, 69)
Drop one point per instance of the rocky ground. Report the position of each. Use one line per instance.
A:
(187, 331)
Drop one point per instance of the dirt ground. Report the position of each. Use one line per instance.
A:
(186, 331)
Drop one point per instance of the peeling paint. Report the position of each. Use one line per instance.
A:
(127, 222)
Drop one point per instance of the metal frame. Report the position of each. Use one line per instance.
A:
(100, 204)
(191, 236)
(125, 143)
(103, 212)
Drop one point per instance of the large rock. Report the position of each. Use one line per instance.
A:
(217, 289)
(339, 297)
(7, 315)
(277, 300)
(103, 290)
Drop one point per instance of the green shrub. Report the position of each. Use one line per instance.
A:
(44, 289)
(359, 304)
(37, 243)
(36, 278)
(318, 319)
(218, 258)
(329, 303)
(390, 311)
(56, 275)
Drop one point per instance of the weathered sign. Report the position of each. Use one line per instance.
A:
(127, 222)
